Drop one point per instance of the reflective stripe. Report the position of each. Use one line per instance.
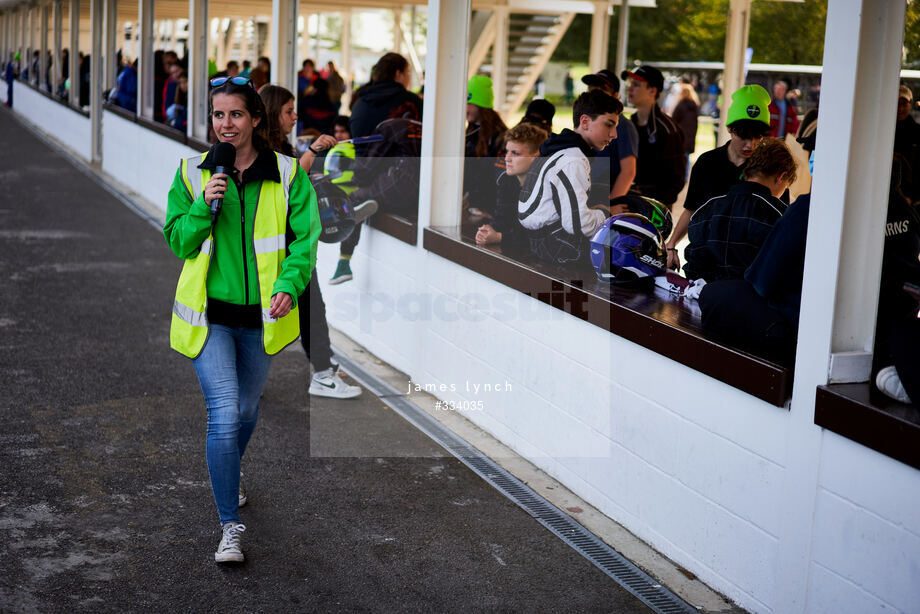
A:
(194, 174)
(287, 171)
(267, 316)
(189, 315)
(267, 245)
(206, 246)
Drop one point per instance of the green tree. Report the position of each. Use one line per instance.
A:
(694, 31)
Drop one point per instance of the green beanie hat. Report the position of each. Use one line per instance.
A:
(750, 102)
(479, 91)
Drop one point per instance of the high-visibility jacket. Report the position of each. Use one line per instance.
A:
(189, 328)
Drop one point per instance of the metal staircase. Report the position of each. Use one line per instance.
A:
(532, 38)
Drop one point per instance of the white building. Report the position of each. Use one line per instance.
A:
(783, 488)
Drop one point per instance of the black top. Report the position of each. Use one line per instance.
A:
(380, 101)
(777, 271)
(712, 175)
(661, 168)
(726, 233)
(506, 211)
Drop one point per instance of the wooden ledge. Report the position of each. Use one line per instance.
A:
(654, 319)
(401, 228)
(864, 415)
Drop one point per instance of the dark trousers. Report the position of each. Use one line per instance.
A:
(897, 340)
(347, 247)
(314, 331)
(732, 310)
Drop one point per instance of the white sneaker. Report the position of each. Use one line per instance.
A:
(364, 210)
(889, 382)
(242, 492)
(327, 384)
(229, 550)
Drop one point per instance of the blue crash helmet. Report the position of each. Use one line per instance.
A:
(628, 248)
(335, 214)
(651, 209)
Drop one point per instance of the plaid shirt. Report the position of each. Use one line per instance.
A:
(726, 232)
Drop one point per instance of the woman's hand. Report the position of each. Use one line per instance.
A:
(324, 142)
(281, 305)
(215, 188)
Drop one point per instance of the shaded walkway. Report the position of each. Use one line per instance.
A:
(104, 496)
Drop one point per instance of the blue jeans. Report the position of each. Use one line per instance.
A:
(232, 369)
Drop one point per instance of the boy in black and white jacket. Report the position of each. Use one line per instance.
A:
(554, 206)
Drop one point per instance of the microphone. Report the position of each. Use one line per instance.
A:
(224, 159)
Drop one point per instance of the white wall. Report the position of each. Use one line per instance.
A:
(57, 120)
(140, 158)
(866, 541)
(695, 472)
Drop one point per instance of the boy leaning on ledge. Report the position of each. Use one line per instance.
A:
(522, 146)
(553, 205)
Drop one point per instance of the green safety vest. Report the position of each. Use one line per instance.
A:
(189, 330)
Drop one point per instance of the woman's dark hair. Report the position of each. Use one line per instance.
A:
(274, 97)
(386, 67)
(491, 129)
(254, 105)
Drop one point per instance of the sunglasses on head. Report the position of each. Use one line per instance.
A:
(218, 81)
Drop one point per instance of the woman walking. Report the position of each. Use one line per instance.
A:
(279, 109)
(235, 303)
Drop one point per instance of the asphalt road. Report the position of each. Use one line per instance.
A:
(105, 504)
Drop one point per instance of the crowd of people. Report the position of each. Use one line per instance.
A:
(573, 199)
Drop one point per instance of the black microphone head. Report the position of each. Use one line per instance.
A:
(224, 155)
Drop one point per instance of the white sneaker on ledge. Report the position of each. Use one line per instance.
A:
(327, 383)
(242, 493)
(889, 382)
(229, 550)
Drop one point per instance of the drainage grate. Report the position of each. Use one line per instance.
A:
(583, 541)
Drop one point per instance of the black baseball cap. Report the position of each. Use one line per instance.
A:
(602, 78)
(651, 75)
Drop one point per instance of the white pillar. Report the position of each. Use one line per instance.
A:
(24, 38)
(600, 36)
(316, 39)
(43, 59)
(284, 43)
(111, 44)
(57, 47)
(345, 67)
(145, 60)
(862, 59)
(244, 41)
(622, 41)
(500, 58)
(74, 70)
(736, 39)
(444, 114)
(198, 69)
(303, 39)
(397, 31)
(95, 80)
